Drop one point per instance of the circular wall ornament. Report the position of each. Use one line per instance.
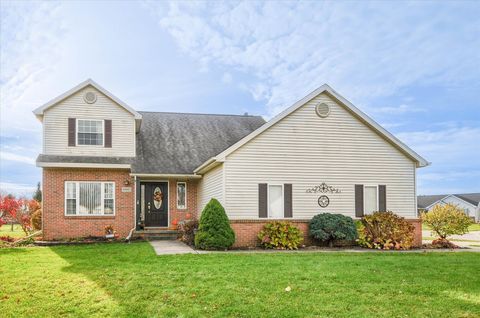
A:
(323, 201)
(90, 97)
(322, 110)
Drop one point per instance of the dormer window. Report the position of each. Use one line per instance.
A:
(90, 132)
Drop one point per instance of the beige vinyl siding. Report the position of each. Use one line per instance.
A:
(55, 125)
(210, 186)
(306, 150)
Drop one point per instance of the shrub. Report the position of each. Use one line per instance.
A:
(187, 231)
(446, 220)
(214, 231)
(6, 238)
(327, 227)
(36, 220)
(386, 230)
(280, 235)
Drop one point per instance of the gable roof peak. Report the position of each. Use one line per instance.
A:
(88, 82)
(325, 88)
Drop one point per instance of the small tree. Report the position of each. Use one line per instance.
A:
(214, 231)
(9, 207)
(445, 220)
(327, 227)
(37, 195)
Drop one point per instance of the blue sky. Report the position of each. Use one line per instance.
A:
(412, 66)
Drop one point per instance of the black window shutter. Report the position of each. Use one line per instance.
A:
(108, 133)
(71, 132)
(262, 200)
(382, 198)
(359, 200)
(287, 200)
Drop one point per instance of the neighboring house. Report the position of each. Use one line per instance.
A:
(468, 202)
(106, 163)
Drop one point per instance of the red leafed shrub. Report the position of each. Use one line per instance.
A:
(7, 238)
(187, 231)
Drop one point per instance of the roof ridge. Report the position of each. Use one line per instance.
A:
(200, 114)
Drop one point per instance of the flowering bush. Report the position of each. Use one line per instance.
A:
(386, 230)
(280, 235)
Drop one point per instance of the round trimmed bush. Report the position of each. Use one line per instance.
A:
(214, 230)
(328, 227)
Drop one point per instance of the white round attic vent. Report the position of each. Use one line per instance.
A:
(322, 109)
(90, 97)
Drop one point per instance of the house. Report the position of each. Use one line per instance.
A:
(468, 202)
(106, 163)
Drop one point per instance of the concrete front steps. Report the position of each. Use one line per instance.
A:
(154, 234)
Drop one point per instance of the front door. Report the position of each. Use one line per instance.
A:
(156, 204)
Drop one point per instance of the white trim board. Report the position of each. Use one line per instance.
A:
(419, 160)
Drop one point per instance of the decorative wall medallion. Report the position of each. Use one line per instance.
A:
(323, 188)
(323, 201)
(157, 197)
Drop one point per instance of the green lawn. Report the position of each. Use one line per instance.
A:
(473, 227)
(6, 229)
(129, 280)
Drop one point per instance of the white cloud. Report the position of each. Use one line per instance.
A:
(366, 50)
(15, 157)
(402, 109)
(29, 52)
(16, 188)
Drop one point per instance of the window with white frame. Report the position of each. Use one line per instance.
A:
(181, 195)
(370, 199)
(275, 201)
(90, 132)
(89, 198)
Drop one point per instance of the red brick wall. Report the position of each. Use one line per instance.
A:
(58, 226)
(182, 214)
(246, 231)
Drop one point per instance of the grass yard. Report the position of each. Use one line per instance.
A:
(6, 229)
(129, 280)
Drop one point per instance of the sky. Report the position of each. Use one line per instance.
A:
(414, 67)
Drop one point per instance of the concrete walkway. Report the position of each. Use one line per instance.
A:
(168, 247)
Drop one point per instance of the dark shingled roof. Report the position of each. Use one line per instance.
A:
(84, 159)
(177, 143)
(424, 201)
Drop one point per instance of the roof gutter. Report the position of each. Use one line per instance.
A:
(82, 165)
(204, 167)
(160, 175)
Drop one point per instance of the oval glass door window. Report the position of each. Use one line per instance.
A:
(157, 197)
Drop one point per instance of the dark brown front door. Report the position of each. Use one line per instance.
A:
(156, 204)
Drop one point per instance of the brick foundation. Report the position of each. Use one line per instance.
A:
(58, 226)
(246, 231)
